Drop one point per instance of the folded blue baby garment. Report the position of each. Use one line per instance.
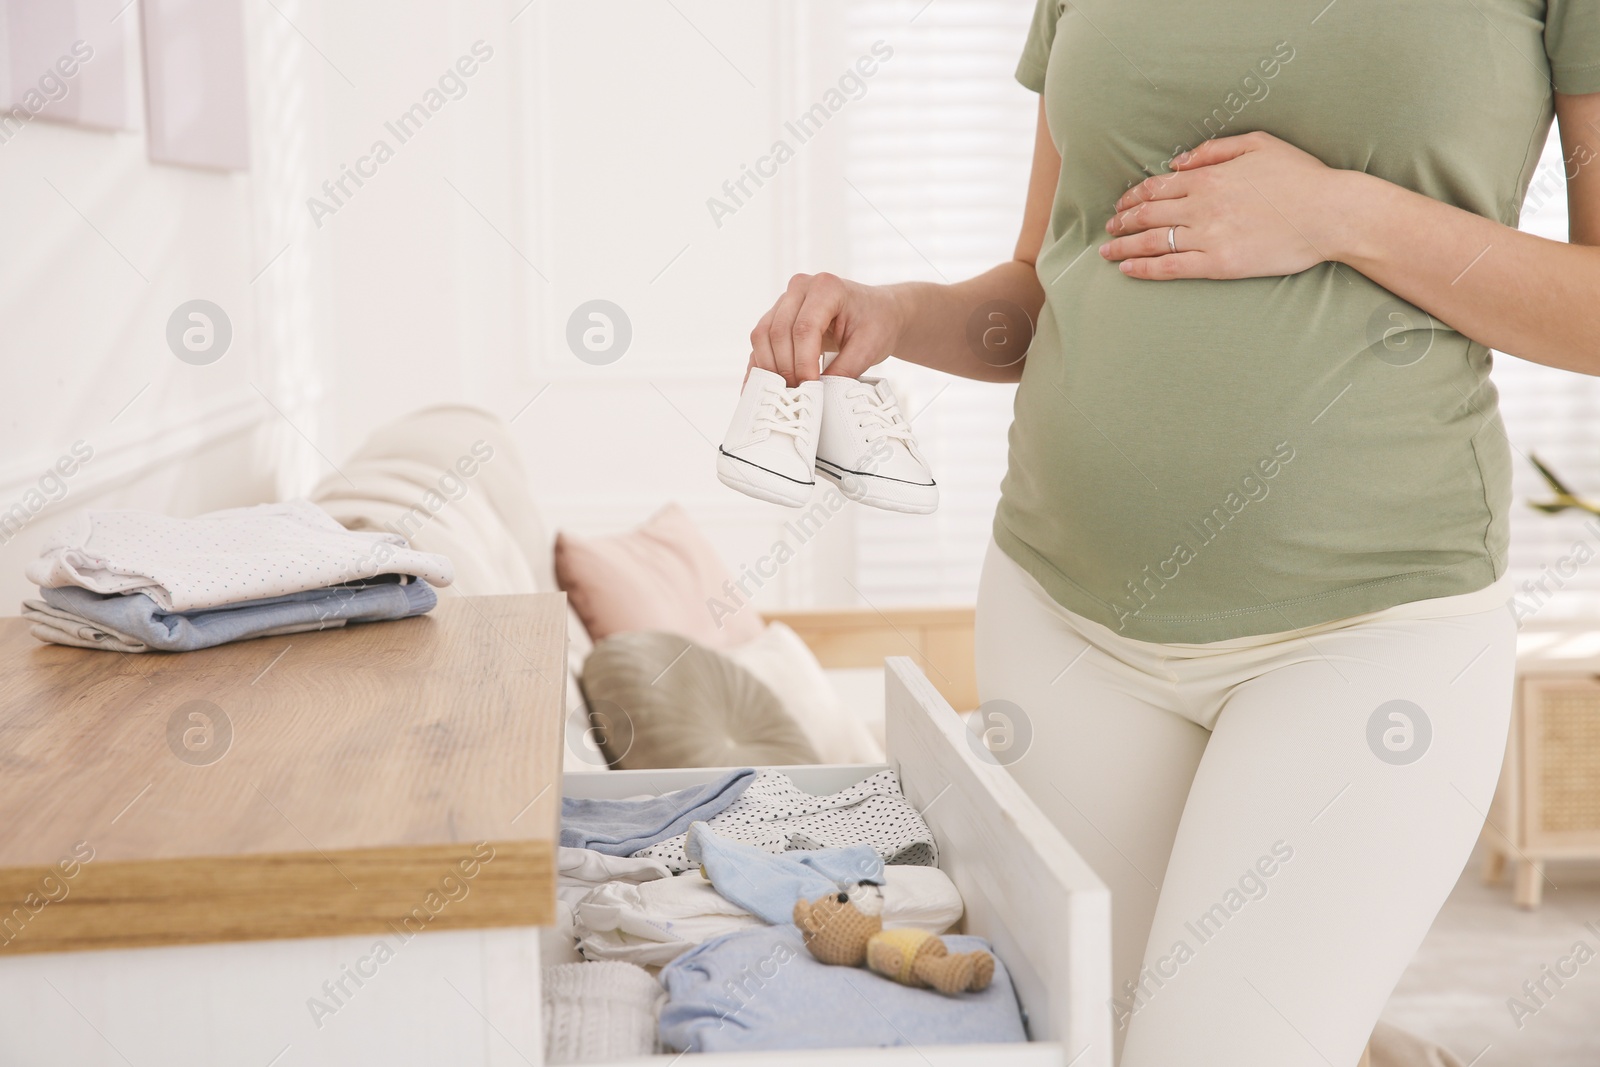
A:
(768, 884)
(136, 616)
(623, 827)
(761, 989)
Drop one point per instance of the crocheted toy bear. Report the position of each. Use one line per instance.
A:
(846, 929)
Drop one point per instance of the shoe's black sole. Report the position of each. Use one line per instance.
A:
(837, 471)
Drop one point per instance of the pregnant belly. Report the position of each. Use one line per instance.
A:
(1249, 440)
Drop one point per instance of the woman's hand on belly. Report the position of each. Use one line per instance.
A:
(1250, 206)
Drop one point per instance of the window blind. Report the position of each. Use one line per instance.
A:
(1551, 414)
(937, 156)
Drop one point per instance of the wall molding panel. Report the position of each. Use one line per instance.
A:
(125, 455)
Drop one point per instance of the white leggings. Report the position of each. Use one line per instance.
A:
(1275, 845)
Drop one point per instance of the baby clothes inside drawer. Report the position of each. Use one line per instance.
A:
(1025, 891)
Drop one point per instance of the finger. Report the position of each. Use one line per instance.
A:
(1148, 216)
(859, 351)
(780, 331)
(1217, 150)
(761, 345)
(1167, 267)
(1155, 187)
(1145, 243)
(824, 299)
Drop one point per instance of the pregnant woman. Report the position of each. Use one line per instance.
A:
(1247, 589)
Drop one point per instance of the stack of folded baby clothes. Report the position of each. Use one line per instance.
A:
(680, 910)
(135, 581)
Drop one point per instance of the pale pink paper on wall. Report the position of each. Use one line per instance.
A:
(68, 61)
(196, 98)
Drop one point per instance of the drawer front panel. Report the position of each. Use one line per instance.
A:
(1026, 889)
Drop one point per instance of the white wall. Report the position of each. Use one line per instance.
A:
(577, 165)
(644, 113)
(99, 247)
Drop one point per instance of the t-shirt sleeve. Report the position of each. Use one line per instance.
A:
(1572, 41)
(1036, 50)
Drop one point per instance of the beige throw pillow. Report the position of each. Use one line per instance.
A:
(782, 660)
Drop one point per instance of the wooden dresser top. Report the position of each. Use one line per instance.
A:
(309, 784)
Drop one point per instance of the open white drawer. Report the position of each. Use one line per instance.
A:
(1026, 891)
(471, 996)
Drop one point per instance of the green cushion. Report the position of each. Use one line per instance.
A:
(660, 700)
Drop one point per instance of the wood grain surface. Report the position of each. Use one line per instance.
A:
(391, 776)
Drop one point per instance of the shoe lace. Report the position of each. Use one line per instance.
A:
(783, 411)
(879, 414)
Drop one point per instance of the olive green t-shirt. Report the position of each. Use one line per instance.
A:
(1196, 460)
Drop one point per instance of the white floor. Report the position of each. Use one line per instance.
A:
(1481, 951)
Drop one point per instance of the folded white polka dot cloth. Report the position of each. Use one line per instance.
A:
(775, 815)
(223, 557)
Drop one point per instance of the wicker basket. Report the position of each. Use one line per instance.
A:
(1548, 803)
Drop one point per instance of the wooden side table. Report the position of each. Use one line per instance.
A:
(169, 822)
(1547, 806)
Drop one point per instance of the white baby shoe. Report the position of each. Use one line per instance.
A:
(770, 448)
(866, 447)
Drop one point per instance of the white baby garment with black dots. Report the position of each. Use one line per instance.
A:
(775, 815)
(223, 557)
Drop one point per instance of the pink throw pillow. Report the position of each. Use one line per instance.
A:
(663, 576)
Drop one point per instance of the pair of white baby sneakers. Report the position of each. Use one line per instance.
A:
(848, 430)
